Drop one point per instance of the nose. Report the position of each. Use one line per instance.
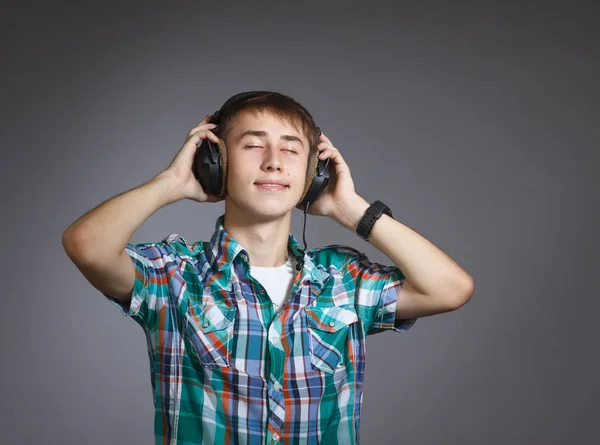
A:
(272, 159)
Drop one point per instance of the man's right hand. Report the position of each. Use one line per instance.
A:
(180, 169)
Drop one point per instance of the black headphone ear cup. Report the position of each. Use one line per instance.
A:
(206, 166)
(316, 180)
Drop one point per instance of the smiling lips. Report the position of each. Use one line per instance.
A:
(271, 184)
(267, 186)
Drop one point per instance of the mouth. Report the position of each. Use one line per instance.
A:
(273, 186)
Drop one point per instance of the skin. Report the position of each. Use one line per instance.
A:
(260, 220)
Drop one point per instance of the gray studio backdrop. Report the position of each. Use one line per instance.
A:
(476, 123)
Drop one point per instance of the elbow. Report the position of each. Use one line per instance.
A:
(464, 295)
(68, 240)
(73, 241)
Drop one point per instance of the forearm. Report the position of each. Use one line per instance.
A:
(104, 231)
(428, 268)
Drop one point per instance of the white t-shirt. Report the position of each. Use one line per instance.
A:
(277, 280)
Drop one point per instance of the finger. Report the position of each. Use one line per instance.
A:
(206, 119)
(325, 138)
(334, 155)
(326, 147)
(203, 134)
(209, 134)
(325, 153)
(201, 127)
(325, 144)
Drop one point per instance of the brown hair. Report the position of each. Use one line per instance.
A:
(283, 107)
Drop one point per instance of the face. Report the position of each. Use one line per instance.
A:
(262, 149)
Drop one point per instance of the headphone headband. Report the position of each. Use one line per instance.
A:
(216, 118)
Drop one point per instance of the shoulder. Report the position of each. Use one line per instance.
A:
(336, 255)
(173, 245)
(184, 249)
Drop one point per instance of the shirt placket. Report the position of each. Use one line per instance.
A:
(275, 361)
(275, 368)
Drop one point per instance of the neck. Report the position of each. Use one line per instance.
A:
(264, 237)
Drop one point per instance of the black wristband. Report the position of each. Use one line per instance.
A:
(372, 214)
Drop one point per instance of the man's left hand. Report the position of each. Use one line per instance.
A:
(340, 188)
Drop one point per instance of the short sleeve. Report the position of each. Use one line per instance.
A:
(377, 289)
(152, 263)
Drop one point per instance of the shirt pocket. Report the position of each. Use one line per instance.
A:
(209, 330)
(327, 333)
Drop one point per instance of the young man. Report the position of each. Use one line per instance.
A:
(252, 339)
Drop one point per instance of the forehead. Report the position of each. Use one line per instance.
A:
(251, 119)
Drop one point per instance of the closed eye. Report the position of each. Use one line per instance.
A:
(260, 146)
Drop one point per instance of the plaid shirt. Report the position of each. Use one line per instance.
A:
(226, 368)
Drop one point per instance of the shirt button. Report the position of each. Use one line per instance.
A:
(205, 324)
(277, 386)
(262, 291)
(307, 282)
(276, 436)
(332, 323)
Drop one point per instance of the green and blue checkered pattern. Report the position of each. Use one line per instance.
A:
(227, 369)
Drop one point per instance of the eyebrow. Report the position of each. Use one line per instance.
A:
(262, 134)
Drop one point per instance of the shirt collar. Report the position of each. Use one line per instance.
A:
(223, 249)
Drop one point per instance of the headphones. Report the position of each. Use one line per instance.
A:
(210, 160)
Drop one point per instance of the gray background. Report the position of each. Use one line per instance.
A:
(478, 124)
